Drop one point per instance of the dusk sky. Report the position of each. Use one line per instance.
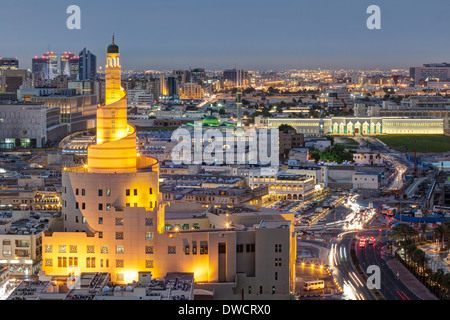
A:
(218, 34)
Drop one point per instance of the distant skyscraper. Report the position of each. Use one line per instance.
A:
(64, 63)
(87, 65)
(45, 67)
(40, 68)
(230, 77)
(172, 87)
(198, 75)
(9, 63)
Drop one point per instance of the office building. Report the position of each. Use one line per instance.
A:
(431, 71)
(9, 63)
(69, 65)
(339, 98)
(11, 80)
(87, 65)
(191, 91)
(231, 78)
(23, 125)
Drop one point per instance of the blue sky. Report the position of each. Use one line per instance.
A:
(263, 34)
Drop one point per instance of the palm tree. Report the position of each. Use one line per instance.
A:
(409, 251)
(440, 232)
(423, 228)
(402, 233)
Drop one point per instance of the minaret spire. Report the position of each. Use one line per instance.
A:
(113, 39)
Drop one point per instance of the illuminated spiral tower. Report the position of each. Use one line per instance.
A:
(115, 150)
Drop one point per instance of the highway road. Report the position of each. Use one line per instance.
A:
(391, 287)
(340, 262)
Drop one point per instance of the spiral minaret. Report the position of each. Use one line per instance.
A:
(115, 151)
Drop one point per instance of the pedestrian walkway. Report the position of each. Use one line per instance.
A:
(438, 260)
(410, 281)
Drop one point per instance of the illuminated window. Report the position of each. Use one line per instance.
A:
(100, 234)
(108, 206)
(48, 248)
(104, 249)
(108, 192)
(62, 249)
(149, 235)
(119, 249)
(203, 247)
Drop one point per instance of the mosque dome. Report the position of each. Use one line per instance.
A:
(211, 121)
(113, 48)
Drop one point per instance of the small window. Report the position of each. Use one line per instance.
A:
(171, 249)
(119, 235)
(100, 220)
(83, 192)
(83, 206)
(135, 192)
(108, 206)
(151, 190)
(119, 249)
(76, 191)
(108, 192)
(100, 206)
(149, 235)
(100, 192)
(127, 192)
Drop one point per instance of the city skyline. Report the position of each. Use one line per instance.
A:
(301, 35)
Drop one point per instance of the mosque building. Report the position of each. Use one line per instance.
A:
(114, 220)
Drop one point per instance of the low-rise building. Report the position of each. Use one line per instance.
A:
(368, 158)
(23, 126)
(21, 243)
(283, 184)
(368, 180)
